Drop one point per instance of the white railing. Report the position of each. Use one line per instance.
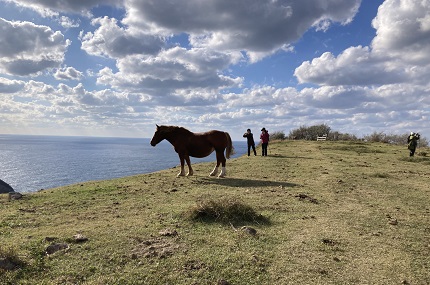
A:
(322, 138)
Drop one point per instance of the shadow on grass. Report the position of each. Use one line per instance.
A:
(288, 157)
(358, 148)
(238, 182)
(416, 159)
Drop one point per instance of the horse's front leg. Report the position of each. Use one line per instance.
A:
(190, 169)
(182, 160)
(215, 171)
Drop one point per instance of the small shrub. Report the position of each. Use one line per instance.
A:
(278, 135)
(224, 211)
(309, 133)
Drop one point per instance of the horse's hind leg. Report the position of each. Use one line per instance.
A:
(223, 172)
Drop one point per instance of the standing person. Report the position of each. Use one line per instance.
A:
(413, 142)
(250, 139)
(264, 137)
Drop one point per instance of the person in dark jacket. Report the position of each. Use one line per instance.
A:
(250, 139)
(413, 142)
(264, 137)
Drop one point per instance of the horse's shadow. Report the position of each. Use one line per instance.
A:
(238, 182)
(290, 157)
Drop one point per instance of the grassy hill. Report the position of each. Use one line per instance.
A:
(309, 213)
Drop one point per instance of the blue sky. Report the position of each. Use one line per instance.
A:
(118, 67)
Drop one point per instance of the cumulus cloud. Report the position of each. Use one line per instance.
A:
(260, 97)
(383, 86)
(68, 73)
(354, 66)
(403, 30)
(117, 42)
(10, 86)
(69, 107)
(67, 22)
(173, 69)
(259, 28)
(186, 63)
(398, 53)
(217, 33)
(249, 25)
(28, 48)
(53, 7)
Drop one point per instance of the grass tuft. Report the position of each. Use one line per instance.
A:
(380, 175)
(224, 211)
(9, 259)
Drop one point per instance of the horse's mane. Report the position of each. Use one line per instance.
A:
(175, 129)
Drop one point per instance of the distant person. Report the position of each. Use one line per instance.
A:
(250, 139)
(413, 142)
(264, 137)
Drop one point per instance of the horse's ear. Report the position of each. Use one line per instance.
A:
(157, 126)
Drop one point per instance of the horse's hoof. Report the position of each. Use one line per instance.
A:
(212, 174)
(180, 174)
(190, 174)
(221, 176)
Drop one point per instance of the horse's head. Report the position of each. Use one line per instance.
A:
(158, 136)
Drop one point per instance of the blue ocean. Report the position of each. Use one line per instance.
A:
(32, 163)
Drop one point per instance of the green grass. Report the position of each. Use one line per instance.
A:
(323, 214)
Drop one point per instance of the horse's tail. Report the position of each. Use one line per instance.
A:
(230, 148)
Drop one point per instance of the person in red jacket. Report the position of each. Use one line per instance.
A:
(264, 137)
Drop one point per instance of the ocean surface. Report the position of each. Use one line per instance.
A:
(32, 163)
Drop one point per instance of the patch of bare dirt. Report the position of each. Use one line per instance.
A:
(155, 248)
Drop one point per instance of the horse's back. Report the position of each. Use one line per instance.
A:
(203, 144)
(216, 138)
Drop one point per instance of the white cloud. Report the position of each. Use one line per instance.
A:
(186, 63)
(173, 70)
(354, 66)
(403, 31)
(10, 86)
(27, 48)
(68, 23)
(68, 73)
(49, 8)
(381, 87)
(260, 97)
(398, 53)
(36, 105)
(249, 25)
(117, 42)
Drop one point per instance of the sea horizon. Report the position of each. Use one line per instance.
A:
(30, 163)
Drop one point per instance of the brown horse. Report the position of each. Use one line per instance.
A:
(188, 144)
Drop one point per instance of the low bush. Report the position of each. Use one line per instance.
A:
(224, 211)
(278, 135)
